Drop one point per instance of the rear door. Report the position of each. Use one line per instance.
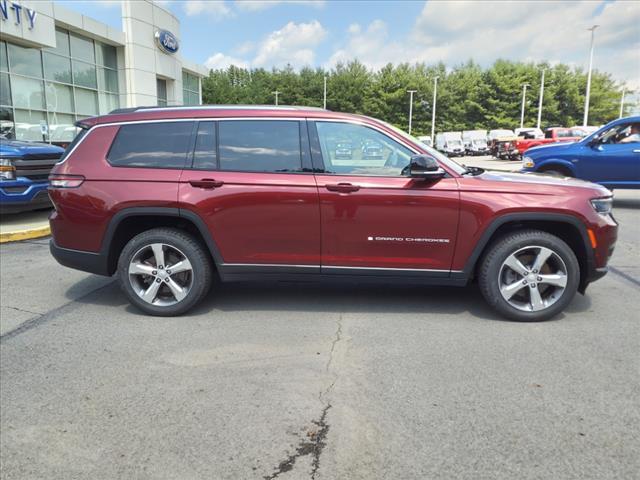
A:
(250, 181)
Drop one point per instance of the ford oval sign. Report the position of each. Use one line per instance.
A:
(167, 41)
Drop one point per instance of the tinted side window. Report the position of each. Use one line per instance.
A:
(159, 145)
(260, 146)
(204, 155)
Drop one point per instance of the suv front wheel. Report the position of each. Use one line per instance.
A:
(529, 275)
(164, 271)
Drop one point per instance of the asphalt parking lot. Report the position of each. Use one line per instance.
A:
(295, 381)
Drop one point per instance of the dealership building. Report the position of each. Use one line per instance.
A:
(58, 66)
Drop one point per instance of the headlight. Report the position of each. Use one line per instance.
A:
(527, 162)
(602, 205)
(7, 170)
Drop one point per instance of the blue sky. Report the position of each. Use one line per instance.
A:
(321, 33)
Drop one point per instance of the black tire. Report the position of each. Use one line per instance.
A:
(500, 250)
(198, 256)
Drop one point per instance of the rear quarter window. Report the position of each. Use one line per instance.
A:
(152, 145)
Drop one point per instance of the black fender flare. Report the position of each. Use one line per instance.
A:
(488, 233)
(193, 217)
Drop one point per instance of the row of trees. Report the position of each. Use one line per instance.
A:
(469, 96)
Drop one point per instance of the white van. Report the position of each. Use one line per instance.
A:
(450, 143)
(475, 142)
(426, 139)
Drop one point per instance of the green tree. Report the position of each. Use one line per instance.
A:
(469, 96)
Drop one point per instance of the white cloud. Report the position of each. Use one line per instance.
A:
(293, 44)
(222, 61)
(454, 32)
(216, 8)
(259, 5)
(245, 48)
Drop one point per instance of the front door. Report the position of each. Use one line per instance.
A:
(375, 219)
(615, 160)
(248, 184)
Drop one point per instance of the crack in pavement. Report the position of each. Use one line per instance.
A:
(313, 447)
(318, 437)
(22, 310)
(624, 275)
(43, 318)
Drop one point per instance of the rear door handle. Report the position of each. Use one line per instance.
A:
(342, 187)
(208, 183)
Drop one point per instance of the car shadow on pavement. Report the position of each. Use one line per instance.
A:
(354, 298)
(318, 297)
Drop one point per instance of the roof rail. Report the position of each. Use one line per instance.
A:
(211, 107)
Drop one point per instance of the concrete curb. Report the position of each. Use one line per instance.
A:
(18, 235)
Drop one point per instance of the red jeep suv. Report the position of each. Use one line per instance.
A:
(166, 198)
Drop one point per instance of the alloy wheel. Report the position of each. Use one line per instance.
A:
(533, 278)
(160, 274)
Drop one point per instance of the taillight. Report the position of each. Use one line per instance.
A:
(65, 181)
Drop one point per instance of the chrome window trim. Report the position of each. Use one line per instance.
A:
(367, 125)
(165, 120)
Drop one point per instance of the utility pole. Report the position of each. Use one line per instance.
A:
(433, 111)
(624, 90)
(585, 121)
(410, 92)
(540, 100)
(524, 96)
(324, 103)
(276, 93)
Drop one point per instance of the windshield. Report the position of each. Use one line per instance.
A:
(454, 143)
(456, 167)
(501, 133)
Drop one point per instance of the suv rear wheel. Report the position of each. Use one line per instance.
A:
(529, 275)
(164, 271)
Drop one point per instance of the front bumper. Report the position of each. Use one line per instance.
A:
(22, 195)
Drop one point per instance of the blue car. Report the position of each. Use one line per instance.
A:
(609, 156)
(24, 172)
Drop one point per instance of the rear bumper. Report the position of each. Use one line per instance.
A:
(80, 260)
(22, 195)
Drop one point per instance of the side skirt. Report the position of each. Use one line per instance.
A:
(316, 274)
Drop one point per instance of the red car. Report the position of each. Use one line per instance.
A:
(551, 135)
(166, 198)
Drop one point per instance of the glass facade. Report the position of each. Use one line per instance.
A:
(190, 89)
(48, 90)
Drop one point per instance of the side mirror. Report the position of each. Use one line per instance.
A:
(426, 167)
(595, 142)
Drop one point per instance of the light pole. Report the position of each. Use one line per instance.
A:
(433, 110)
(586, 98)
(324, 103)
(624, 90)
(276, 93)
(524, 95)
(540, 100)
(410, 92)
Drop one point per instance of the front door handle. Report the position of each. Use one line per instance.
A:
(637, 150)
(208, 183)
(342, 187)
